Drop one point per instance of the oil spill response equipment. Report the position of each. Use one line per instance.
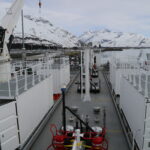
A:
(88, 138)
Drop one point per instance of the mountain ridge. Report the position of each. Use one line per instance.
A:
(108, 38)
(44, 32)
(40, 31)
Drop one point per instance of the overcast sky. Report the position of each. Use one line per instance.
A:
(78, 16)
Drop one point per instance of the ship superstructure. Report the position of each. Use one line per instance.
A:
(129, 80)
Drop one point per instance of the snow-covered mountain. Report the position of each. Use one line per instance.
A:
(39, 30)
(108, 38)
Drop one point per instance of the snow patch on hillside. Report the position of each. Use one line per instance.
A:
(39, 30)
(108, 38)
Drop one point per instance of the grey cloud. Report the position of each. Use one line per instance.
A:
(81, 15)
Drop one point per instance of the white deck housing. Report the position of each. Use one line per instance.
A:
(136, 108)
(61, 74)
(32, 106)
(30, 96)
(9, 139)
(115, 77)
(117, 62)
(131, 81)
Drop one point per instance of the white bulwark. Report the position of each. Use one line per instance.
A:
(25, 99)
(131, 81)
(8, 127)
(61, 73)
(32, 106)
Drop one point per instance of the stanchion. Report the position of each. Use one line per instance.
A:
(63, 104)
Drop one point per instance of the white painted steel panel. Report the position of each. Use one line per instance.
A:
(7, 110)
(98, 59)
(103, 57)
(7, 122)
(68, 74)
(147, 129)
(118, 81)
(8, 127)
(60, 77)
(133, 106)
(6, 134)
(65, 75)
(11, 144)
(56, 81)
(112, 75)
(5, 69)
(32, 106)
(115, 78)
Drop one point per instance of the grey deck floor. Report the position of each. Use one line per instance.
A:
(115, 134)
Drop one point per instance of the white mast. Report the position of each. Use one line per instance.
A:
(87, 76)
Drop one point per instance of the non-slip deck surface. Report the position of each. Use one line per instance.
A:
(115, 134)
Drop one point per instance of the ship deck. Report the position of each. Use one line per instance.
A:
(115, 135)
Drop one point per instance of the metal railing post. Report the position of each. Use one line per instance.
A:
(140, 87)
(25, 79)
(20, 67)
(17, 90)
(64, 109)
(146, 87)
(134, 77)
(127, 70)
(33, 77)
(40, 68)
(130, 76)
(9, 90)
(47, 73)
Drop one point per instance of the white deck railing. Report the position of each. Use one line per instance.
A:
(136, 73)
(137, 76)
(28, 74)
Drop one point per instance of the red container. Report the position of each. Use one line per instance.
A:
(56, 96)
